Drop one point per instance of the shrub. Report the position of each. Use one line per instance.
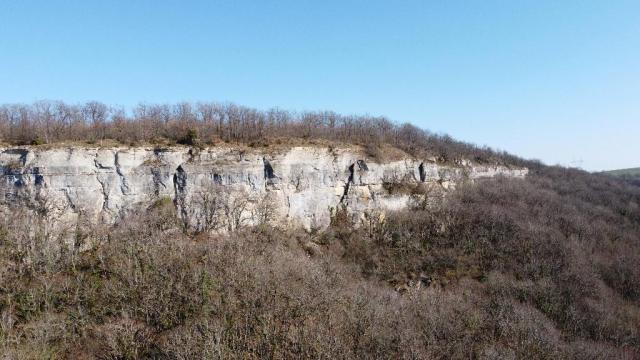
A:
(38, 141)
(190, 138)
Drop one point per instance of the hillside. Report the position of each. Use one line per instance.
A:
(624, 172)
(631, 175)
(545, 265)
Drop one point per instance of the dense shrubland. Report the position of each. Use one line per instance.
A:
(546, 267)
(207, 124)
(631, 179)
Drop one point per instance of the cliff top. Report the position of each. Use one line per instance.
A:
(49, 124)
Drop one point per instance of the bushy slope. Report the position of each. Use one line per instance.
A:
(546, 267)
(542, 267)
(632, 175)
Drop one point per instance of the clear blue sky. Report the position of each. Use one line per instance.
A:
(553, 80)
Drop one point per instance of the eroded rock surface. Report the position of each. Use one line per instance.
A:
(301, 186)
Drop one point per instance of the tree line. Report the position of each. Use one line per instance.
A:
(207, 123)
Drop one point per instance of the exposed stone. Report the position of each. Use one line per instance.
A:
(306, 185)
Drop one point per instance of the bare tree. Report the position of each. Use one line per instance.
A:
(43, 112)
(56, 121)
(235, 209)
(95, 113)
(265, 210)
(210, 208)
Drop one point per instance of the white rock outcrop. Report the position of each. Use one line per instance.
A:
(300, 186)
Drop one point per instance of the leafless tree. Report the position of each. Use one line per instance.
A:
(57, 121)
(265, 209)
(95, 114)
(210, 208)
(235, 209)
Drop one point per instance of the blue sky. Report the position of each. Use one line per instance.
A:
(553, 80)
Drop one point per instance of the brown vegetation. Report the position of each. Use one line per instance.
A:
(546, 267)
(50, 122)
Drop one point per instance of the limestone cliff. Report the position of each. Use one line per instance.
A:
(300, 186)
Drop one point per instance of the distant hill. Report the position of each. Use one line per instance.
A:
(632, 172)
(631, 176)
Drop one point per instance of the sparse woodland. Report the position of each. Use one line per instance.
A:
(207, 124)
(543, 267)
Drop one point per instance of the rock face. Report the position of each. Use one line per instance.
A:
(220, 188)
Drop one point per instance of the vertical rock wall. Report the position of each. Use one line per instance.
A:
(301, 186)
